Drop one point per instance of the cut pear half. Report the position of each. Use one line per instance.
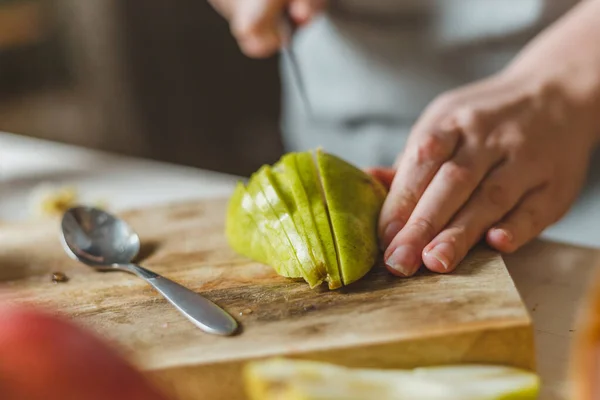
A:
(306, 380)
(314, 206)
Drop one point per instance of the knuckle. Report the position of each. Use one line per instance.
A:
(458, 174)
(469, 118)
(432, 148)
(400, 208)
(403, 207)
(408, 200)
(498, 196)
(424, 226)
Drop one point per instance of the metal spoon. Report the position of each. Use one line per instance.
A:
(105, 242)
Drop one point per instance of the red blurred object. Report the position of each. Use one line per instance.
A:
(45, 357)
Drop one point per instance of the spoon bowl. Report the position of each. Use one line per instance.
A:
(105, 242)
(97, 238)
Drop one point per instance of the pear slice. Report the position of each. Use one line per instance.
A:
(353, 200)
(246, 235)
(306, 380)
(284, 255)
(242, 231)
(303, 175)
(284, 223)
(286, 183)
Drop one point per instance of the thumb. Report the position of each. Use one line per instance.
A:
(256, 24)
(302, 11)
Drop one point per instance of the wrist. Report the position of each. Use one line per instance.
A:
(574, 94)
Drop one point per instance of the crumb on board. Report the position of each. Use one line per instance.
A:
(48, 200)
(59, 277)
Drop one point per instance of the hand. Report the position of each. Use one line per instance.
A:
(256, 24)
(502, 159)
(43, 357)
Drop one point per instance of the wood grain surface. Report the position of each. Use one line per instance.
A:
(472, 315)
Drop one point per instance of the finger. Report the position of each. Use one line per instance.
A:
(223, 7)
(383, 175)
(45, 357)
(497, 195)
(257, 26)
(420, 161)
(303, 11)
(449, 190)
(538, 210)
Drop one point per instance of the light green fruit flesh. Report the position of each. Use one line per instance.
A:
(306, 380)
(284, 223)
(305, 174)
(301, 233)
(285, 261)
(354, 200)
(241, 229)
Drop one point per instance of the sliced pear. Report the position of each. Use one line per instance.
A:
(295, 202)
(303, 174)
(269, 225)
(315, 215)
(242, 231)
(353, 200)
(284, 223)
(306, 380)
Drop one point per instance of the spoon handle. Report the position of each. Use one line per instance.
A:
(205, 314)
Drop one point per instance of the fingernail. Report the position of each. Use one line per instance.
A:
(301, 10)
(444, 253)
(390, 231)
(405, 260)
(506, 235)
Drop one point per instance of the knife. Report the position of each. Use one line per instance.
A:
(288, 52)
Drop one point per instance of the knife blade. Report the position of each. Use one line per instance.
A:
(291, 60)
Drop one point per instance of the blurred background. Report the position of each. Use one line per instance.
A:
(164, 81)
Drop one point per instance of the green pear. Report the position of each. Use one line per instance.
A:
(354, 200)
(303, 175)
(307, 380)
(284, 259)
(242, 231)
(282, 197)
(318, 214)
(268, 196)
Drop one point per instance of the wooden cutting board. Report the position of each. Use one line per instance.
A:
(472, 315)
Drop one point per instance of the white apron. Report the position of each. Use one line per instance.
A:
(371, 66)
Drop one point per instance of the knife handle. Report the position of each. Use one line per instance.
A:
(289, 27)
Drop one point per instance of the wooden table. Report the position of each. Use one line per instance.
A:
(551, 276)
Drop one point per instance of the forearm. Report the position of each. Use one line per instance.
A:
(566, 57)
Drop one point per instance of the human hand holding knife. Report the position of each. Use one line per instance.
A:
(264, 27)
